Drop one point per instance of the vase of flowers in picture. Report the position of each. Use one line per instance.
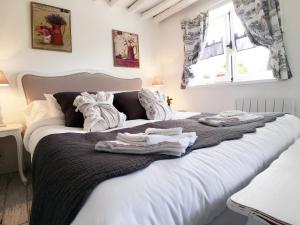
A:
(57, 28)
(45, 33)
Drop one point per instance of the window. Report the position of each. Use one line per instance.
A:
(229, 56)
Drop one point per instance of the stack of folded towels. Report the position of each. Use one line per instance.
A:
(154, 141)
(231, 118)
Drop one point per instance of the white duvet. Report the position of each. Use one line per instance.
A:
(186, 191)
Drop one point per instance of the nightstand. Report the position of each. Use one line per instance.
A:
(15, 130)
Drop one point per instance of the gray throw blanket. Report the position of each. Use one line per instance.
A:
(66, 168)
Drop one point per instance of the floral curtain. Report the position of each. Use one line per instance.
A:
(194, 35)
(261, 19)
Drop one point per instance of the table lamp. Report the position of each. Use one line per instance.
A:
(157, 82)
(3, 83)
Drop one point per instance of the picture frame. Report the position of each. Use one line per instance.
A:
(126, 49)
(51, 28)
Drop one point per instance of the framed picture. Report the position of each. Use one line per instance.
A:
(51, 28)
(126, 49)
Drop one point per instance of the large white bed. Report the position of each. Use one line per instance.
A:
(191, 190)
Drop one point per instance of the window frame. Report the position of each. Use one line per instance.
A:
(230, 53)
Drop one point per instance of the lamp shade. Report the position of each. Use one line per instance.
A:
(3, 80)
(157, 81)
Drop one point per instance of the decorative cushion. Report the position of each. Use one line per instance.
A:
(65, 100)
(129, 104)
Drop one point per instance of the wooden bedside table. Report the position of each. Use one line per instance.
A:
(15, 130)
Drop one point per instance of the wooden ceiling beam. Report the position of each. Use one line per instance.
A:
(136, 5)
(174, 9)
(159, 8)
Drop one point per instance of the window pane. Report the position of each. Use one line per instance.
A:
(215, 37)
(213, 49)
(241, 40)
(212, 66)
(252, 64)
(210, 71)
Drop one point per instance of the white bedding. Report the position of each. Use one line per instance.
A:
(187, 191)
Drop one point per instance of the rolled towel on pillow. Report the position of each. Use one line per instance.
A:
(155, 105)
(98, 112)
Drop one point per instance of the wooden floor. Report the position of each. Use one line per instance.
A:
(15, 200)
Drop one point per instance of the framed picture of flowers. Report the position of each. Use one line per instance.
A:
(126, 49)
(51, 28)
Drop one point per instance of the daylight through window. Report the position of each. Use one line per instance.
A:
(229, 56)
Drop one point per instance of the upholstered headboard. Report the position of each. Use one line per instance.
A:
(34, 86)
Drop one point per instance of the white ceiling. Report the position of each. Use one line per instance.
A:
(158, 10)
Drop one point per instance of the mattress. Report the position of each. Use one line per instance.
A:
(192, 190)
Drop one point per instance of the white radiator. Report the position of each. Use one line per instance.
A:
(286, 105)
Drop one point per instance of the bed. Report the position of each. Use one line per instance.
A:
(191, 190)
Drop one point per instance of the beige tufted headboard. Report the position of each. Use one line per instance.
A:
(34, 86)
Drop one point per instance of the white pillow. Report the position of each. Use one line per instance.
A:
(42, 109)
(53, 106)
(35, 111)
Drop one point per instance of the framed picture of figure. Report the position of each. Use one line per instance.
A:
(125, 49)
(51, 28)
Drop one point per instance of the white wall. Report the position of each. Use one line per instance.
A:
(92, 24)
(217, 98)
(161, 50)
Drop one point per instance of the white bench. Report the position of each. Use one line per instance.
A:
(273, 197)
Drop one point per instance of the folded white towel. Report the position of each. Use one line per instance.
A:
(226, 121)
(219, 122)
(177, 148)
(231, 113)
(250, 117)
(142, 143)
(192, 136)
(169, 132)
(144, 139)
